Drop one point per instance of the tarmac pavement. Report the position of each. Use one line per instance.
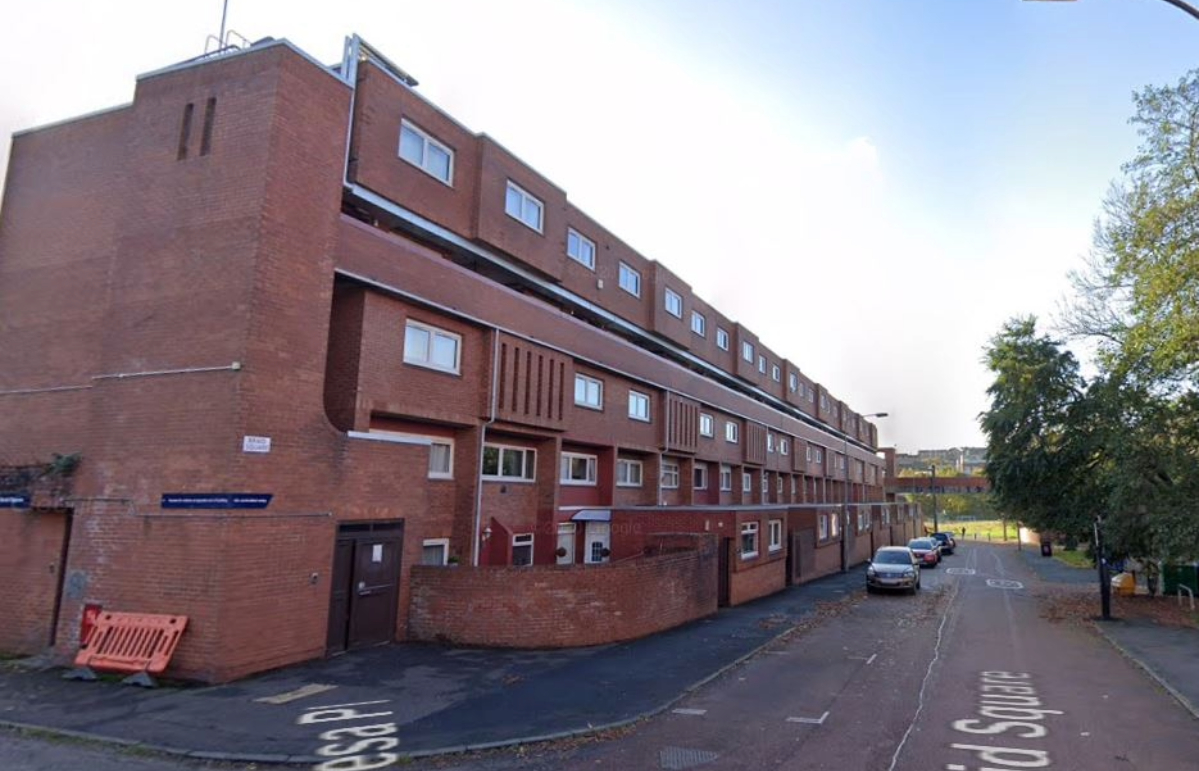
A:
(451, 699)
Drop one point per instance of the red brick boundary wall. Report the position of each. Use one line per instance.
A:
(550, 606)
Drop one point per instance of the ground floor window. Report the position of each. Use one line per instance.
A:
(522, 549)
(776, 534)
(749, 540)
(435, 551)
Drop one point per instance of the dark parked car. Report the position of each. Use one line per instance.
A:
(948, 544)
(893, 567)
(927, 551)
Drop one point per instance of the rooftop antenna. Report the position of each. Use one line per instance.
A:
(224, 15)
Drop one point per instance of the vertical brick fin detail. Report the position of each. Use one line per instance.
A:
(185, 130)
(682, 430)
(755, 443)
(536, 378)
(209, 120)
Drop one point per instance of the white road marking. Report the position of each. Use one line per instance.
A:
(307, 690)
(1003, 583)
(869, 660)
(685, 711)
(960, 571)
(809, 720)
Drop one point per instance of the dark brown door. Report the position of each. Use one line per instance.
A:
(807, 551)
(365, 586)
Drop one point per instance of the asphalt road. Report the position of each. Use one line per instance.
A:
(965, 676)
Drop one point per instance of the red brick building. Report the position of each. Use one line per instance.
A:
(275, 333)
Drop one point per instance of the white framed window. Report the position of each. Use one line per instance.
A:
(784, 446)
(835, 525)
(435, 551)
(722, 339)
(707, 425)
(863, 520)
(630, 280)
(793, 382)
(524, 206)
(776, 535)
(628, 473)
(793, 488)
(513, 464)
(778, 485)
(726, 478)
(747, 352)
(577, 469)
(419, 148)
(769, 442)
(699, 324)
(761, 364)
(808, 454)
(638, 406)
(765, 485)
(776, 374)
(699, 476)
(428, 346)
(747, 482)
(811, 394)
(670, 475)
(823, 402)
(886, 517)
(589, 392)
(822, 527)
(749, 540)
(731, 432)
(819, 455)
(673, 303)
(580, 248)
(522, 549)
(441, 459)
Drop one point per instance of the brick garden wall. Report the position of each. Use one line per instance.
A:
(567, 606)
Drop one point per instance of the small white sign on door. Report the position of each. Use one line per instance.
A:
(255, 444)
(376, 552)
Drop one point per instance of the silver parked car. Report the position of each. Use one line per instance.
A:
(893, 567)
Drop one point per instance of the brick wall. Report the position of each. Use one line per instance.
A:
(563, 606)
(757, 581)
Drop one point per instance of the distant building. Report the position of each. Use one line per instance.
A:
(966, 461)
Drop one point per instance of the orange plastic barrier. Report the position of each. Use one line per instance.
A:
(131, 642)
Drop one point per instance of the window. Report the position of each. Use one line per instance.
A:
(769, 442)
(823, 527)
(775, 373)
(670, 475)
(784, 446)
(577, 469)
(722, 339)
(761, 364)
(819, 455)
(747, 352)
(700, 476)
(886, 517)
(747, 482)
(628, 473)
(699, 325)
(426, 153)
(792, 488)
(515, 464)
(441, 460)
(823, 402)
(580, 248)
(863, 520)
(749, 540)
(638, 406)
(589, 392)
(522, 549)
(808, 454)
(793, 382)
(765, 484)
(811, 394)
(707, 426)
(521, 205)
(674, 303)
(726, 478)
(427, 346)
(435, 551)
(835, 525)
(778, 486)
(730, 431)
(630, 280)
(776, 535)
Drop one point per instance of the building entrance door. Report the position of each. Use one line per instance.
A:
(365, 586)
(598, 540)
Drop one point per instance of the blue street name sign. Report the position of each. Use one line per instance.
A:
(14, 500)
(216, 500)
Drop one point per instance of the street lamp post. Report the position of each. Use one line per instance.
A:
(936, 522)
(845, 494)
(1179, 4)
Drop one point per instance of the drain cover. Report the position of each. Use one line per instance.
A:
(681, 757)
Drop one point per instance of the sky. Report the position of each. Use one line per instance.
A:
(871, 186)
